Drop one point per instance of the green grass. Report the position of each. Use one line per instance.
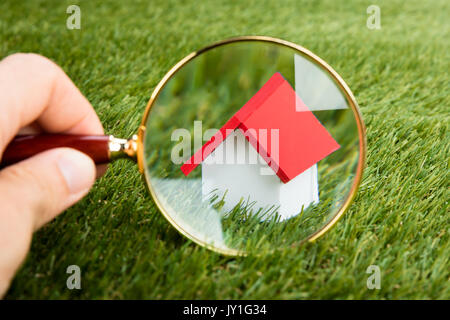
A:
(126, 249)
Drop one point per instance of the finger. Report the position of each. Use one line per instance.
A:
(46, 184)
(32, 193)
(34, 88)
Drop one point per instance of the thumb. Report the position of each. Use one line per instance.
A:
(43, 186)
(32, 193)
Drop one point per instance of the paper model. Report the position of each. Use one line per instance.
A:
(267, 153)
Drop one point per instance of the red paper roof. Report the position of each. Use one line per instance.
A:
(302, 139)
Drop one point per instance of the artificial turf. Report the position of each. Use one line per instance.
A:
(126, 249)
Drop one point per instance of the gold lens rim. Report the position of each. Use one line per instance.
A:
(305, 52)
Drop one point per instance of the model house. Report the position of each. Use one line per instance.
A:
(266, 154)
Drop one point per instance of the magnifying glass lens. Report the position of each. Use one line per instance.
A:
(251, 145)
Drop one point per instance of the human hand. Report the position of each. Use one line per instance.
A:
(36, 95)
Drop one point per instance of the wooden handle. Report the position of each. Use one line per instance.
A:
(25, 146)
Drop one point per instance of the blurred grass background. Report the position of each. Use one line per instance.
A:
(124, 247)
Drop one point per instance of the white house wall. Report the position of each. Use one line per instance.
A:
(236, 170)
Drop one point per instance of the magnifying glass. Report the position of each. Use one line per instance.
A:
(249, 144)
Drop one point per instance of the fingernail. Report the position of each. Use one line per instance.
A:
(77, 169)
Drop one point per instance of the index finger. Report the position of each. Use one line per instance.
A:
(33, 88)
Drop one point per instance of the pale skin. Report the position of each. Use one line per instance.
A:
(36, 95)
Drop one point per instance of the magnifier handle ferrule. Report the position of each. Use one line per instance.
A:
(101, 148)
(122, 148)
